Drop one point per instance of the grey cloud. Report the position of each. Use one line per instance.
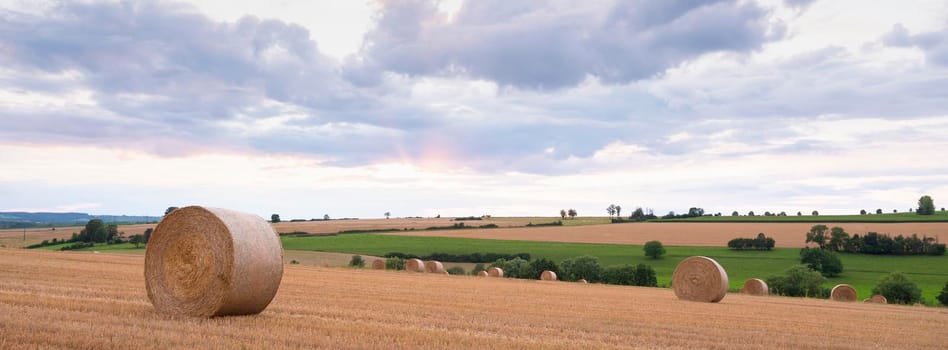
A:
(934, 44)
(559, 43)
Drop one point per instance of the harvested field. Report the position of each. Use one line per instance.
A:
(334, 226)
(787, 235)
(13, 238)
(79, 300)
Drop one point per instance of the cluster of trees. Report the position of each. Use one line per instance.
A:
(472, 258)
(767, 213)
(613, 209)
(762, 242)
(588, 268)
(638, 215)
(693, 212)
(571, 213)
(838, 240)
(826, 263)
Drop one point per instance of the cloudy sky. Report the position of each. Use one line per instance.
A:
(352, 109)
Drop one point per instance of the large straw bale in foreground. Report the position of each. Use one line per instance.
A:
(843, 292)
(206, 262)
(755, 286)
(700, 278)
(548, 275)
(414, 265)
(495, 272)
(433, 266)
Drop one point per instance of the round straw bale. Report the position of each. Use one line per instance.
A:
(755, 286)
(482, 274)
(843, 292)
(876, 298)
(700, 278)
(414, 265)
(495, 272)
(378, 264)
(206, 262)
(582, 280)
(434, 266)
(548, 275)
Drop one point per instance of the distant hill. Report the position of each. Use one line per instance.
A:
(26, 220)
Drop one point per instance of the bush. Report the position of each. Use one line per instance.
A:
(798, 281)
(535, 268)
(394, 263)
(640, 275)
(78, 245)
(478, 268)
(654, 249)
(294, 262)
(898, 289)
(762, 242)
(513, 268)
(827, 263)
(457, 270)
(621, 275)
(645, 276)
(357, 261)
(583, 267)
(943, 296)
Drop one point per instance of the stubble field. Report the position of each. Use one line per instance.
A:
(82, 300)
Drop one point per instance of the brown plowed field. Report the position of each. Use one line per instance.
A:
(98, 301)
(680, 233)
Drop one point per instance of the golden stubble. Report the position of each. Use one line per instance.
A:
(82, 300)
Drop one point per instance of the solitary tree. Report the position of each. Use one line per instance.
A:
(799, 214)
(387, 214)
(275, 218)
(862, 212)
(572, 213)
(926, 206)
(611, 209)
(750, 213)
(169, 210)
(618, 211)
(817, 235)
(654, 249)
(816, 213)
(879, 211)
(562, 213)
(326, 217)
(147, 235)
(735, 213)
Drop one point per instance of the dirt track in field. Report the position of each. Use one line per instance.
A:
(98, 301)
(681, 234)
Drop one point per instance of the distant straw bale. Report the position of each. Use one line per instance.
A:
(548, 275)
(414, 265)
(843, 292)
(700, 278)
(206, 262)
(755, 286)
(482, 274)
(378, 264)
(495, 272)
(877, 298)
(433, 266)
(582, 280)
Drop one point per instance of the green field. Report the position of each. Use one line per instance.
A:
(939, 216)
(861, 271)
(123, 247)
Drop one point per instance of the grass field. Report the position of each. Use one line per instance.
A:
(98, 301)
(939, 216)
(861, 271)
